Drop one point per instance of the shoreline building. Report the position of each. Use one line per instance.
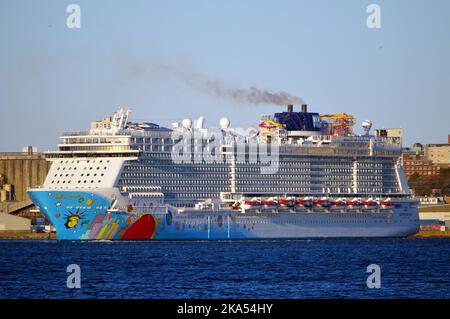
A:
(439, 154)
(419, 164)
(18, 172)
(426, 160)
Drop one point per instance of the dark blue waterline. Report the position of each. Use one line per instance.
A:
(321, 268)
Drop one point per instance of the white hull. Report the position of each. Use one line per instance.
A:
(399, 221)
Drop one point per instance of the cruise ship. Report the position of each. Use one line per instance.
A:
(294, 174)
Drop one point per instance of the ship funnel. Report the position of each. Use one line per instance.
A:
(290, 108)
(304, 108)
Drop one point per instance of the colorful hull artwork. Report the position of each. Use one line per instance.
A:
(80, 215)
(83, 215)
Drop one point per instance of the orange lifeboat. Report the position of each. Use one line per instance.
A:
(305, 202)
(286, 202)
(322, 202)
(387, 203)
(252, 204)
(355, 203)
(270, 203)
(370, 203)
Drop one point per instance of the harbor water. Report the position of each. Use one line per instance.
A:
(410, 268)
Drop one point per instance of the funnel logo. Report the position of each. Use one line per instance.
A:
(73, 219)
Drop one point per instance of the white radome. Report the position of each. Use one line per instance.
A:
(187, 123)
(224, 122)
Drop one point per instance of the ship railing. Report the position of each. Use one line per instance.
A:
(94, 133)
(381, 140)
(320, 138)
(387, 140)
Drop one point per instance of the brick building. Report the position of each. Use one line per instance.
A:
(438, 154)
(419, 164)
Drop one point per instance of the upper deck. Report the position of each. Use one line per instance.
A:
(116, 136)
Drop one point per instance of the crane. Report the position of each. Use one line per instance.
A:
(339, 124)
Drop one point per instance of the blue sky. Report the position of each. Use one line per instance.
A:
(55, 79)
